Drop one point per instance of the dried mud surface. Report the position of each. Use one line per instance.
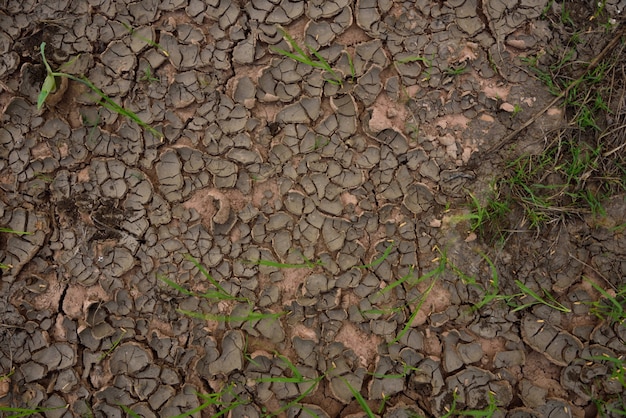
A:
(264, 158)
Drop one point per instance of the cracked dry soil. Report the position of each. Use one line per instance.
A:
(349, 188)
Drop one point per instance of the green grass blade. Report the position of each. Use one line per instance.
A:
(555, 305)
(270, 263)
(48, 86)
(175, 286)
(12, 231)
(292, 42)
(300, 397)
(380, 259)
(397, 283)
(129, 411)
(253, 316)
(206, 274)
(407, 326)
(359, 398)
(25, 412)
(42, 50)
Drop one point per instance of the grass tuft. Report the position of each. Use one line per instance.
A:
(49, 86)
(314, 61)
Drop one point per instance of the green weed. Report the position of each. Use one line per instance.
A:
(486, 218)
(49, 86)
(433, 276)
(113, 347)
(297, 378)
(428, 63)
(26, 412)
(12, 231)
(617, 366)
(146, 40)
(456, 70)
(611, 308)
(359, 398)
(569, 178)
(215, 400)
(148, 76)
(493, 289)
(380, 259)
(315, 61)
(486, 412)
(547, 299)
(516, 110)
(216, 293)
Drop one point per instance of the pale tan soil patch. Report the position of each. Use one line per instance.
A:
(83, 175)
(387, 113)
(436, 301)
(237, 199)
(544, 374)
(491, 346)
(78, 298)
(293, 278)
(160, 327)
(458, 121)
(41, 150)
(304, 333)
(352, 36)
(432, 344)
(364, 345)
(203, 203)
(51, 297)
(494, 88)
(260, 188)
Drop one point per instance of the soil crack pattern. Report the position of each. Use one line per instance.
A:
(289, 208)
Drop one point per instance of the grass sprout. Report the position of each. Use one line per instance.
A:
(547, 299)
(314, 61)
(26, 412)
(486, 412)
(617, 364)
(113, 347)
(49, 86)
(150, 42)
(13, 231)
(433, 276)
(297, 378)
(380, 259)
(493, 292)
(611, 308)
(215, 294)
(359, 398)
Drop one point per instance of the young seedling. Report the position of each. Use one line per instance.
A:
(538, 299)
(494, 286)
(315, 61)
(148, 76)
(297, 378)
(113, 347)
(50, 85)
(611, 308)
(12, 231)
(143, 38)
(380, 259)
(486, 412)
(27, 412)
(457, 70)
(359, 398)
(433, 276)
(215, 294)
